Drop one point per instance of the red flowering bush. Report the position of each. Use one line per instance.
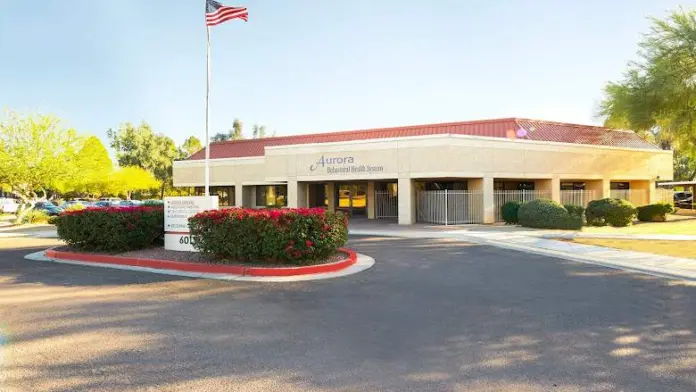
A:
(111, 229)
(288, 235)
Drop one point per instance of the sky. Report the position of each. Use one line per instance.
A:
(307, 66)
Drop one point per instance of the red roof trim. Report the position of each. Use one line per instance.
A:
(538, 130)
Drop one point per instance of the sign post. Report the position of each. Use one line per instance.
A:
(177, 210)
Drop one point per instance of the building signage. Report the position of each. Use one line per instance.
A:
(177, 210)
(343, 165)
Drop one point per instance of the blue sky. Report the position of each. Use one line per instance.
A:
(306, 66)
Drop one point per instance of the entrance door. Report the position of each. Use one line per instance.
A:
(352, 199)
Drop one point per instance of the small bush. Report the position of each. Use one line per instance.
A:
(269, 235)
(35, 217)
(575, 210)
(654, 212)
(610, 211)
(111, 229)
(547, 214)
(153, 203)
(509, 212)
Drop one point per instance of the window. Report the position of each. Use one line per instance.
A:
(513, 185)
(572, 186)
(390, 187)
(271, 195)
(225, 194)
(620, 185)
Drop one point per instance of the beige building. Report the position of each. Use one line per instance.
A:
(449, 173)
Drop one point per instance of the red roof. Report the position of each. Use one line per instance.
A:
(501, 128)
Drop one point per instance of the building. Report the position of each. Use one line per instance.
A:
(448, 173)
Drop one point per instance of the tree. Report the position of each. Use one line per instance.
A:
(94, 168)
(221, 137)
(140, 146)
(259, 131)
(236, 132)
(657, 96)
(190, 146)
(36, 154)
(129, 179)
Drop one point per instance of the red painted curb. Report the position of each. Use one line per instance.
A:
(206, 268)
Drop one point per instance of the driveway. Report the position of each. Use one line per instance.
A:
(431, 315)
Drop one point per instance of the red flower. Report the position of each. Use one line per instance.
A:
(309, 243)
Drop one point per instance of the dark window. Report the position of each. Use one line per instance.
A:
(390, 187)
(225, 194)
(513, 185)
(620, 185)
(572, 186)
(271, 195)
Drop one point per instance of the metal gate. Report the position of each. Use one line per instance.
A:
(386, 205)
(502, 197)
(450, 207)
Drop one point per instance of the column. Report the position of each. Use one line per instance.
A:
(370, 200)
(488, 201)
(652, 192)
(238, 195)
(556, 189)
(292, 193)
(406, 201)
(331, 195)
(606, 188)
(302, 195)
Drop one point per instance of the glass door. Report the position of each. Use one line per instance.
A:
(351, 199)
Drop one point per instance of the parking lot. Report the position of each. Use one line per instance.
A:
(431, 315)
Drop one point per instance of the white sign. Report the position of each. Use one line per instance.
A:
(177, 210)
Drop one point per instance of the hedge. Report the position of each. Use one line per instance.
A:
(111, 229)
(654, 212)
(575, 210)
(610, 211)
(509, 212)
(547, 214)
(287, 235)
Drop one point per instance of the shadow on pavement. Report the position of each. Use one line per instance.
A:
(431, 315)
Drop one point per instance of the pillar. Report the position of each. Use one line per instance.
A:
(606, 188)
(407, 213)
(488, 200)
(597, 188)
(238, 195)
(292, 193)
(652, 192)
(331, 195)
(302, 195)
(370, 200)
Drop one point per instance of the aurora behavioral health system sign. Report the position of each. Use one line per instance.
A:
(177, 210)
(343, 165)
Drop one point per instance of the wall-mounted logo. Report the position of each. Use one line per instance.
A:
(343, 165)
(323, 162)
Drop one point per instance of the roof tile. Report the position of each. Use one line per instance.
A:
(498, 128)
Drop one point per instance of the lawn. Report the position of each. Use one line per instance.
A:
(676, 224)
(667, 248)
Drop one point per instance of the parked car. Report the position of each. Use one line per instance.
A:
(8, 205)
(110, 199)
(75, 202)
(49, 208)
(105, 204)
(129, 203)
(683, 199)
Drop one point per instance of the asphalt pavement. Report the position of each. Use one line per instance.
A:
(431, 315)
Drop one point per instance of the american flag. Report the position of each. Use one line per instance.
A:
(216, 13)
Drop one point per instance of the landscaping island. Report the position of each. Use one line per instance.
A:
(247, 242)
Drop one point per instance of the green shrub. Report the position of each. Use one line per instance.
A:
(509, 212)
(153, 203)
(269, 235)
(575, 210)
(547, 214)
(654, 212)
(35, 217)
(111, 229)
(610, 211)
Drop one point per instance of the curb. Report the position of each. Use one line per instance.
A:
(206, 268)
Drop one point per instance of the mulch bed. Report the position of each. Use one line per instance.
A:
(159, 253)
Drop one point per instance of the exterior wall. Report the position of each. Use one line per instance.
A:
(440, 156)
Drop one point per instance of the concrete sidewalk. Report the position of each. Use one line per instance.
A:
(527, 241)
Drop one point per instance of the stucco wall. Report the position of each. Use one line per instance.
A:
(430, 157)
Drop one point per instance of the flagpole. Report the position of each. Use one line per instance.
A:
(207, 112)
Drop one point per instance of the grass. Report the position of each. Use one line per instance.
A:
(676, 224)
(668, 248)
